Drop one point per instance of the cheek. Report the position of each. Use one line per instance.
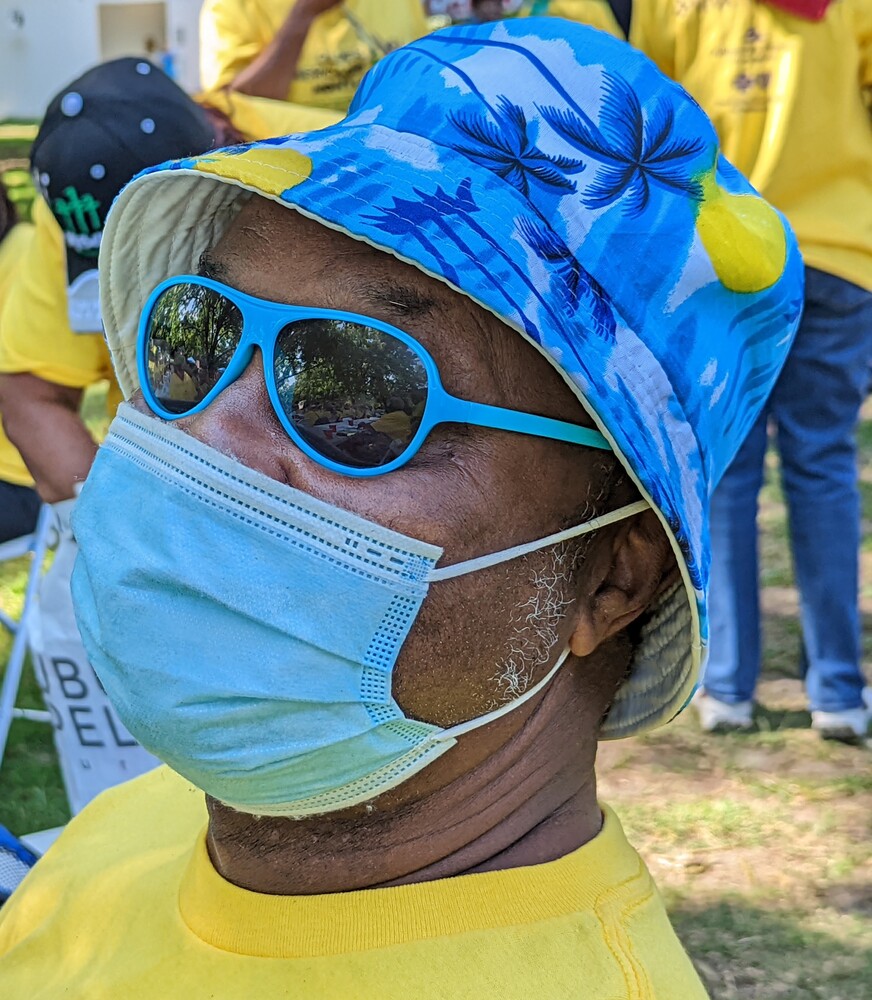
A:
(446, 668)
(482, 640)
(474, 632)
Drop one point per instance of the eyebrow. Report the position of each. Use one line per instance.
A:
(209, 267)
(401, 301)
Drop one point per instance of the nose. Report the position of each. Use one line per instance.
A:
(240, 423)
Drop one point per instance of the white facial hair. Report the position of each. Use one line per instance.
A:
(535, 632)
(536, 620)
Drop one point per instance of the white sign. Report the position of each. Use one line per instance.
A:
(94, 748)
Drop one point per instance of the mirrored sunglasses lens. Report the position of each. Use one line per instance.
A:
(356, 395)
(192, 334)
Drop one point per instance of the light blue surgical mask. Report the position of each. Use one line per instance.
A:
(247, 633)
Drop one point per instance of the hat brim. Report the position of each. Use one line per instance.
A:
(203, 197)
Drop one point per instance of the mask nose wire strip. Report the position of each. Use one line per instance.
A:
(482, 562)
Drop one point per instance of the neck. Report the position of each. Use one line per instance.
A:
(530, 801)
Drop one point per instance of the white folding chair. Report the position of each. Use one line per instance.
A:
(37, 545)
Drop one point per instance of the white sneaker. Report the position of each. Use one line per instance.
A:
(719, 715)
(852, 724)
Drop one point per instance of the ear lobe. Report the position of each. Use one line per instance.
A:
(640, 553)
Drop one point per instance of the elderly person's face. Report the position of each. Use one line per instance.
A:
(481, 639)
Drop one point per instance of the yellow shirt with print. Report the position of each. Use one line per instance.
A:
(12, 250)
(341, 46)
(786, 96)
(35, 334)
(128, 905)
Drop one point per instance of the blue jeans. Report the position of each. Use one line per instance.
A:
(814, 410)
(19, 509)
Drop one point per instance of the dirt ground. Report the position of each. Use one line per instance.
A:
(759, 842)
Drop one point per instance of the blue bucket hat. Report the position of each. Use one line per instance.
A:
(552, 174)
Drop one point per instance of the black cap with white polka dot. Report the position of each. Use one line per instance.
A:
(99, 132)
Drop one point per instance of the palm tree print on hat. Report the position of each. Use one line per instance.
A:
(437, 209)
(755, 383)
(580, 284)
(504, 146)
(634, 150)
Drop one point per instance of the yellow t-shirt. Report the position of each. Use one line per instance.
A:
(341, 46)
(127, 905)
(11, 252)
(35, 333)
(12, 249)
(786, 96)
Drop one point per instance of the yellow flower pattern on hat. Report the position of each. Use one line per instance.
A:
(266, 169)
(743, 236)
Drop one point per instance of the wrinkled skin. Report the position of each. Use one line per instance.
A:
(521, 790)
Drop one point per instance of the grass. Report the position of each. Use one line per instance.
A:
(31, 791)
(760, 841)
(15, 139)
(760, 845)
(746, 950)
(21, 191)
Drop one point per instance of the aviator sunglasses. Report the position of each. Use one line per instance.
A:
(358, 396)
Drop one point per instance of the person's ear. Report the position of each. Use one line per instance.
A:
(622, 579)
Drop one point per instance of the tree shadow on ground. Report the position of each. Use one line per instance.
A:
(745, 952)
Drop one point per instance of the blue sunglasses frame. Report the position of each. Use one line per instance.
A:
(263, 321)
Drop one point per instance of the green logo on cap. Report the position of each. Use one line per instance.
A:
(77, 214)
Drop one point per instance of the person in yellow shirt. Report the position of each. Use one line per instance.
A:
(607, 15)
(309, 53)
(115, 120)
(19, 501)
(51, 342)
(46, 365)
(786, 84)
(395, 422)
(388, 671)
(182, 388)
(97, 133)
(111, 122)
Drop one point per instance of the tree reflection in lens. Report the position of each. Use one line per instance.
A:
(193, 332)
(355, 394)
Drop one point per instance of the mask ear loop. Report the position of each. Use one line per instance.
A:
(483, 562)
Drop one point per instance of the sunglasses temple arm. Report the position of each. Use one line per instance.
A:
(482, 415)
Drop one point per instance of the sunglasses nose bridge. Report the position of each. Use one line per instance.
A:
(260, 328)
(259, 332)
